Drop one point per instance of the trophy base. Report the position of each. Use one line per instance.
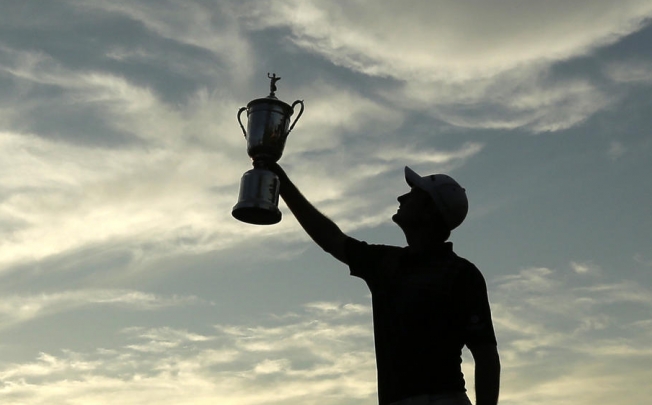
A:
(257, 215)
(258, 200)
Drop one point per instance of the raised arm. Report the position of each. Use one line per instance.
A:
(319, 227)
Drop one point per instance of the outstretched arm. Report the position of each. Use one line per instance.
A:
(487, 374)
(319, 227)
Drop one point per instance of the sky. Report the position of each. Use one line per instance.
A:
(125, 279)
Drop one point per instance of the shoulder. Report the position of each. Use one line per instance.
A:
(370, 260)
(467, 272)
(361, 248)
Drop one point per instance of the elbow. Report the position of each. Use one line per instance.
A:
(487, 355)
(335, 245)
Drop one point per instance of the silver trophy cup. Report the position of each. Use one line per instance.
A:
(268, 126)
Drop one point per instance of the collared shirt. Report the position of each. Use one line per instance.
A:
(425, 309)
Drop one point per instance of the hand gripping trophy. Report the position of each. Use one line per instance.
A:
(268, 126)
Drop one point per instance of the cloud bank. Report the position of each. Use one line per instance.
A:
(466, 65)
(323, 352)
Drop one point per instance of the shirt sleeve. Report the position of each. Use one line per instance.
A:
(371, 262)
(477, 323)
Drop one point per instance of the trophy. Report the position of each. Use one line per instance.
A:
(268, 126)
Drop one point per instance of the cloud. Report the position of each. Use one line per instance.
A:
(466, 65)
(450, 41)
(545, 320)
(63, 195)
(323, 352)
(616, 150)
(337, 309)
(163, 339)
(334, 113)
(63, 198)
(121, 151)
(637, 72)
(585, 268)
(624, 292)
(159, 170)
(431, 157)
(210, 27)
(534, 101)
(361, 192)
(161, 186)
(293, 361)
(16, 309)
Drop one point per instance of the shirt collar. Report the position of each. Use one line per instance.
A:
(435, 252)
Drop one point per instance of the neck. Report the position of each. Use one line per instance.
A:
(421, 241)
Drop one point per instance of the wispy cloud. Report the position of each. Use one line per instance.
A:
(543, 316)
(633, 71)
(323, 353)
(616, 150)
(161, 183)
(585, 267)
(213, 27)
(120, 150)
(162, 339)
(319, 357)
(467, 66)
(450, 41)
(16, 309)
(164, 170)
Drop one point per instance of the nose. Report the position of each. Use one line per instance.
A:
(402, 198)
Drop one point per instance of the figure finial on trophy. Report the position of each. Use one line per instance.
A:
(272, 85)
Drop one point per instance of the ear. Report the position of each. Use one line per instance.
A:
(433, 219)
(431, 213)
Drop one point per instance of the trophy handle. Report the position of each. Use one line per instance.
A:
(240, 122)
(298, 116)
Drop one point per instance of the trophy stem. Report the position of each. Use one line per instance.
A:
(260, 164)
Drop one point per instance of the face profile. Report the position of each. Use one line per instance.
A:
(413, 208)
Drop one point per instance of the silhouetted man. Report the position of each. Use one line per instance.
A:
(427, 301)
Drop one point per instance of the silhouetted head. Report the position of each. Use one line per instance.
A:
(435, 205)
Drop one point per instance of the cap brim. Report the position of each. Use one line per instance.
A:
(412, 178)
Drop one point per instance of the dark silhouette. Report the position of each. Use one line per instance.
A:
(428, 303)
(272, 85)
